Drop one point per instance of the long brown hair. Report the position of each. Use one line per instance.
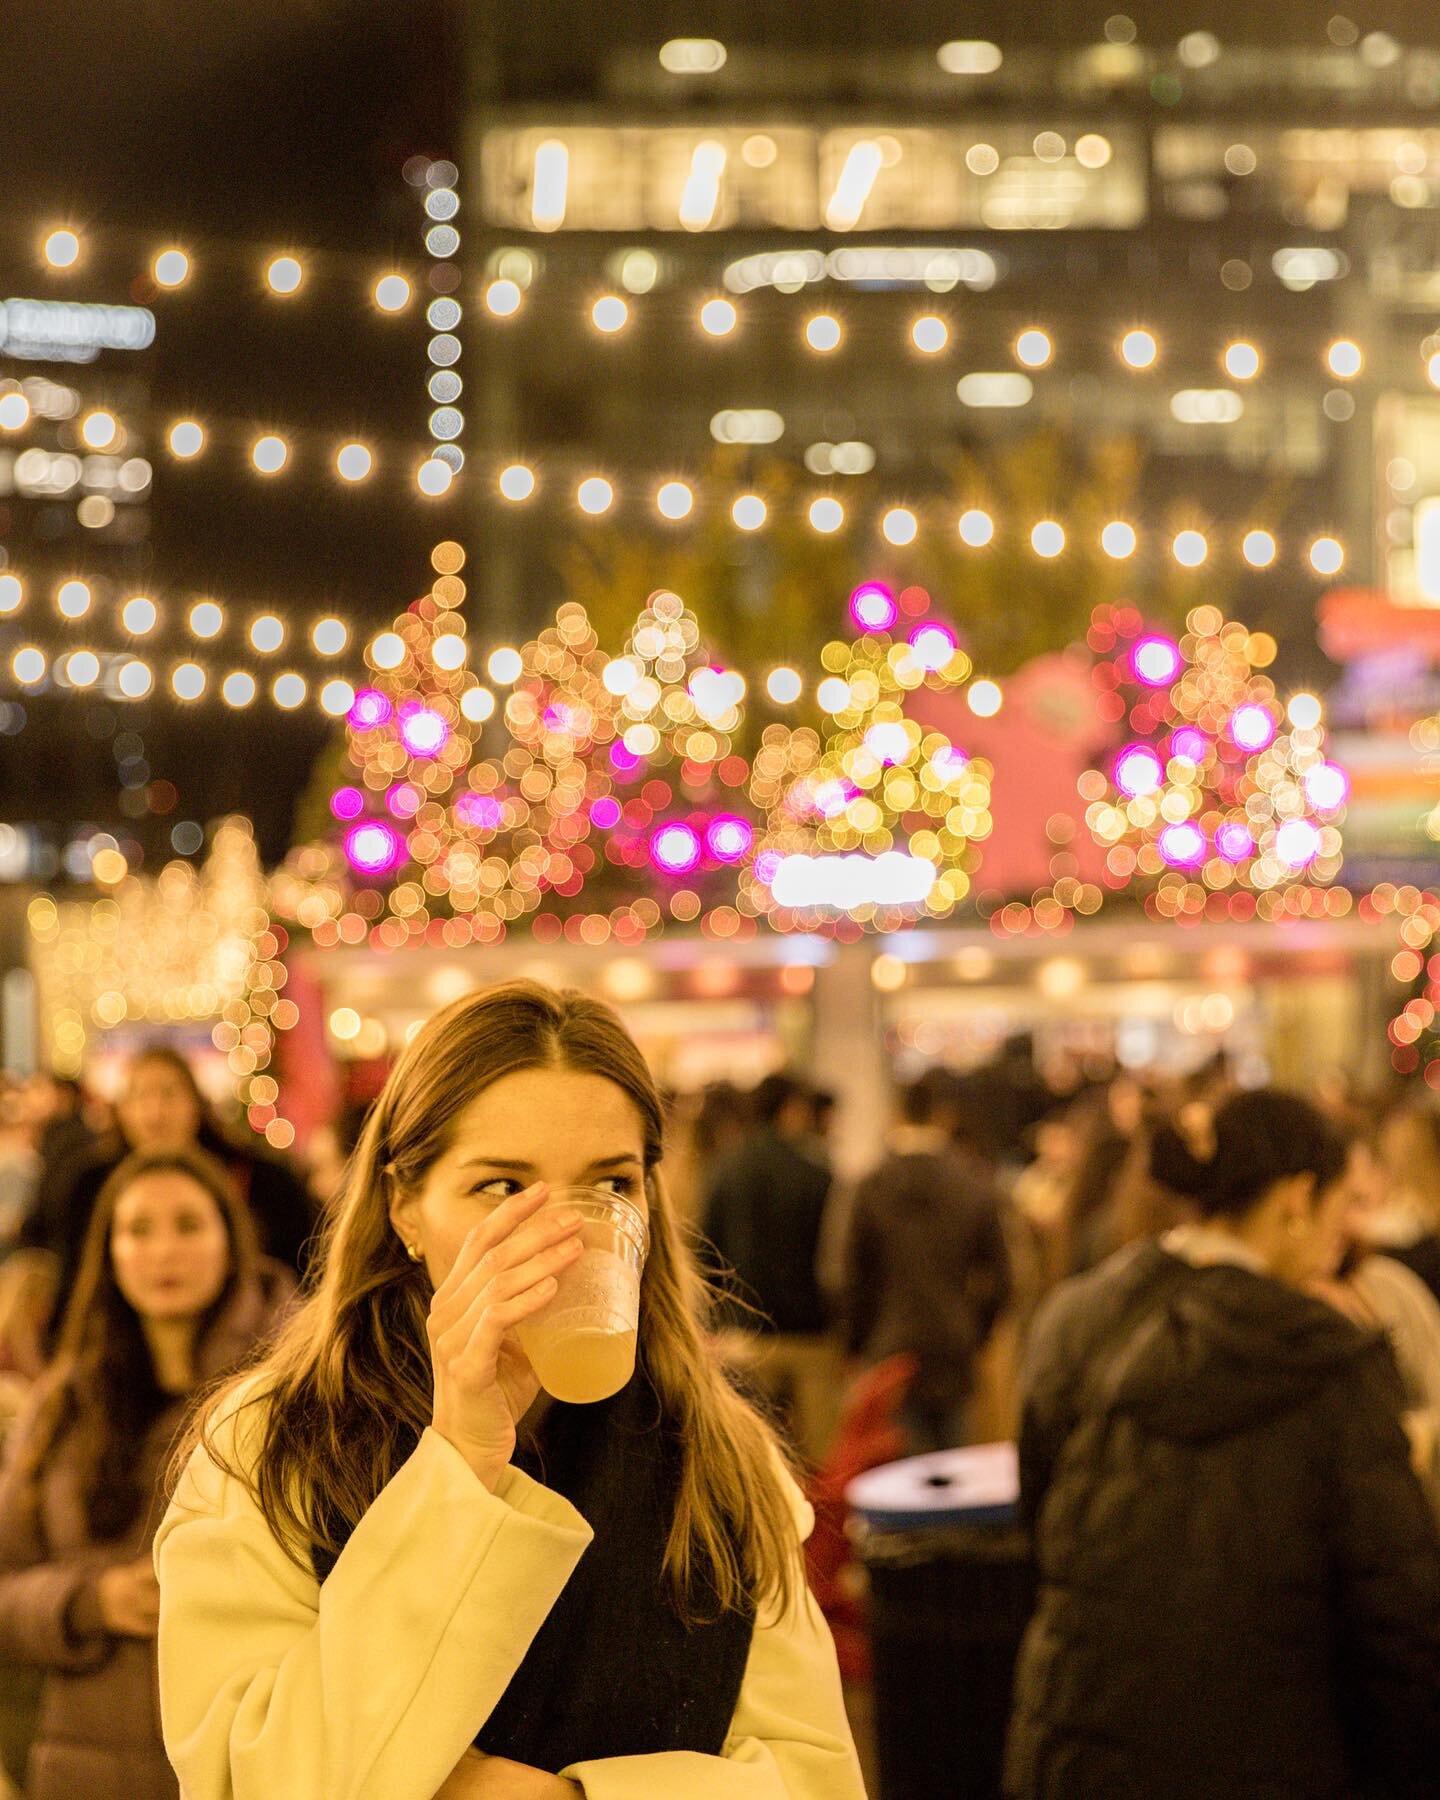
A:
(104, 1381)
(348, 1387)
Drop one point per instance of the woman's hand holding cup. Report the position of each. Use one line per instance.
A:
(505, 1272)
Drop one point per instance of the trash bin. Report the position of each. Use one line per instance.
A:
(951, 1592)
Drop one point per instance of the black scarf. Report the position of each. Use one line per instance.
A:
(613, 1671)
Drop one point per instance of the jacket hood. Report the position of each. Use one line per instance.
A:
(1225, 1351)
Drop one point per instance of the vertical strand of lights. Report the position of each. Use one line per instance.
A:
(438, 184)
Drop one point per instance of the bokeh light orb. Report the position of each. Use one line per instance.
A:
(1155, 660)
(675, 849)
(1189, 743)
(373, 848)
(1297, 843)
(933, 645)
(371, 708)
(1326, 786)
(1182, 846)
(728, 838)
(872, 606)
(605, 812)
(423, 731)
(1138, 771)
(1252, 728)
(347, 803)
(1234, 842)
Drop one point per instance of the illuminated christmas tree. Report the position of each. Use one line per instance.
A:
(879, 823)
(1220, 801)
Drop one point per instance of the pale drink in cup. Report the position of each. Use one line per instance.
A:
(581, 1344)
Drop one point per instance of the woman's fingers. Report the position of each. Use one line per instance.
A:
(514, 1210)
(504, 1287)
(527, 1239)
(481, 1352)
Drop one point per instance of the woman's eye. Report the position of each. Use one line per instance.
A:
(498, 1187)
(624, 1185)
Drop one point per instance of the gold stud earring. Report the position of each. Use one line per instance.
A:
(415, 1253)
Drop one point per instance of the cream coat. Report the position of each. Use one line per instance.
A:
(374, 1687)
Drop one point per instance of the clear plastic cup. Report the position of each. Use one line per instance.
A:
(581, 1343)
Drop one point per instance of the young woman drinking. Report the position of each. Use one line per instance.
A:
(170, 1293)
(394, 1569)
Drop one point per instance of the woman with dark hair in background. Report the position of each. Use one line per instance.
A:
(1239, 1571)
(161, 1109)
(171, 1292)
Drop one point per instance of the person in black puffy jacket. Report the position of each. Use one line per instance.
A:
(1239, 1573)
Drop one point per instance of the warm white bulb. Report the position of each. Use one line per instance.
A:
(284, 275)
(62, 249)
(99, 429)
(823, 333)
(749, 512)
(1327, 556)
(674, 500)
(899, 525)
(1033, 349)
(930, 334)
(170, 268)
(1118, 540)
(718, 317)
(270, 454)
(1189, 549)
(503, 298)
(784, 686)
(609, 314)
(1139, 349)
(329, 636)
(187, 439)
(1048, 538)
(1344, 359)
(392, 293)
(206, 619)
(353, 462)
(336, 698)
(517, 482)
(976, 528)
(1258, 549)
(826, 515)
(1242, 361)
(595, 495)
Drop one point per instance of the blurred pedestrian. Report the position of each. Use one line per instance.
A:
(171, 1293)
(1239, 1571)
(160, 1110)
(764, 1214)
(1407, 1224)
(927, 1267)
(520, 1597)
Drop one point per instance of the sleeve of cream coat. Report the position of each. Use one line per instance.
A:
(789, 1739)
(374, 1686)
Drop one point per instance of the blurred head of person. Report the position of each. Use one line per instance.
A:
(169, 1244)
(1276, 1174)
(719, 1122)
(1408, 1142)
(160, 1107)
(781, 1103)
(515, 1084)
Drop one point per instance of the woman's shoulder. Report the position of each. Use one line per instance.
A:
(218, 1476)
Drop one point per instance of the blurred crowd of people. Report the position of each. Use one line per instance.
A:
(1210, 1318)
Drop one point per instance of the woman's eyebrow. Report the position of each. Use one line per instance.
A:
(625, 1159)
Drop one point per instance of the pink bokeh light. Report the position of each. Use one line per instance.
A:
(728, 838)
(872, 606)
(373, 848)
(1252, 727)
(1138, 771)
(675, 848)
(1155, 660)
(1183, 846)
